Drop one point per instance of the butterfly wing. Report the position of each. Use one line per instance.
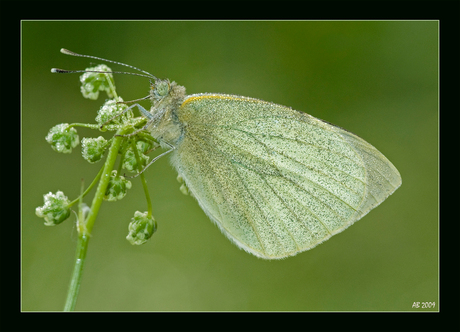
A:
(276, 181)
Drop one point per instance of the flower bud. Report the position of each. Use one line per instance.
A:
(93, 149)
(130, 161)
(110, 110)
(144, 146)
(117, 188)
(141, 228)
(92, 83)
(55, 210)
(62, 138)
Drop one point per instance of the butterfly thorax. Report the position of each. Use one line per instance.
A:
(166, 98)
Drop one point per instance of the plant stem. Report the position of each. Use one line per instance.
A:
(98, 176)
(105, 178)
(75, 281)
(84, 227)
(144, 183)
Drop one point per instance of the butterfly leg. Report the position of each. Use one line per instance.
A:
(150, 119)
(154, 159)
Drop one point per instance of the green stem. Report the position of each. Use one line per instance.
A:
(88, 189)
(144, 183)
(105, 178)
(85, 226)
(112, 85)
(84, 125)
(75, 281)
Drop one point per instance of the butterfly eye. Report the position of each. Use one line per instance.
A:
(161, 89)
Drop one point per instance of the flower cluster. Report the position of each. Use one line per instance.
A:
(133, 147)
(62, 138)
(141, 228)
(55, 210)
(92, 82)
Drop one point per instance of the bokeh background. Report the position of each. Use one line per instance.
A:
(376, 79)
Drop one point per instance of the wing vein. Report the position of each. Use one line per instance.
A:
(256, 204)
(244, 211)
(285, 204)
(266, 147)
(213, 147)
(294, 140)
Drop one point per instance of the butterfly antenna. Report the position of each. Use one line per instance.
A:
(65, 71)
(65, 51)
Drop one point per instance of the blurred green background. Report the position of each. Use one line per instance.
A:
(376, 79)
